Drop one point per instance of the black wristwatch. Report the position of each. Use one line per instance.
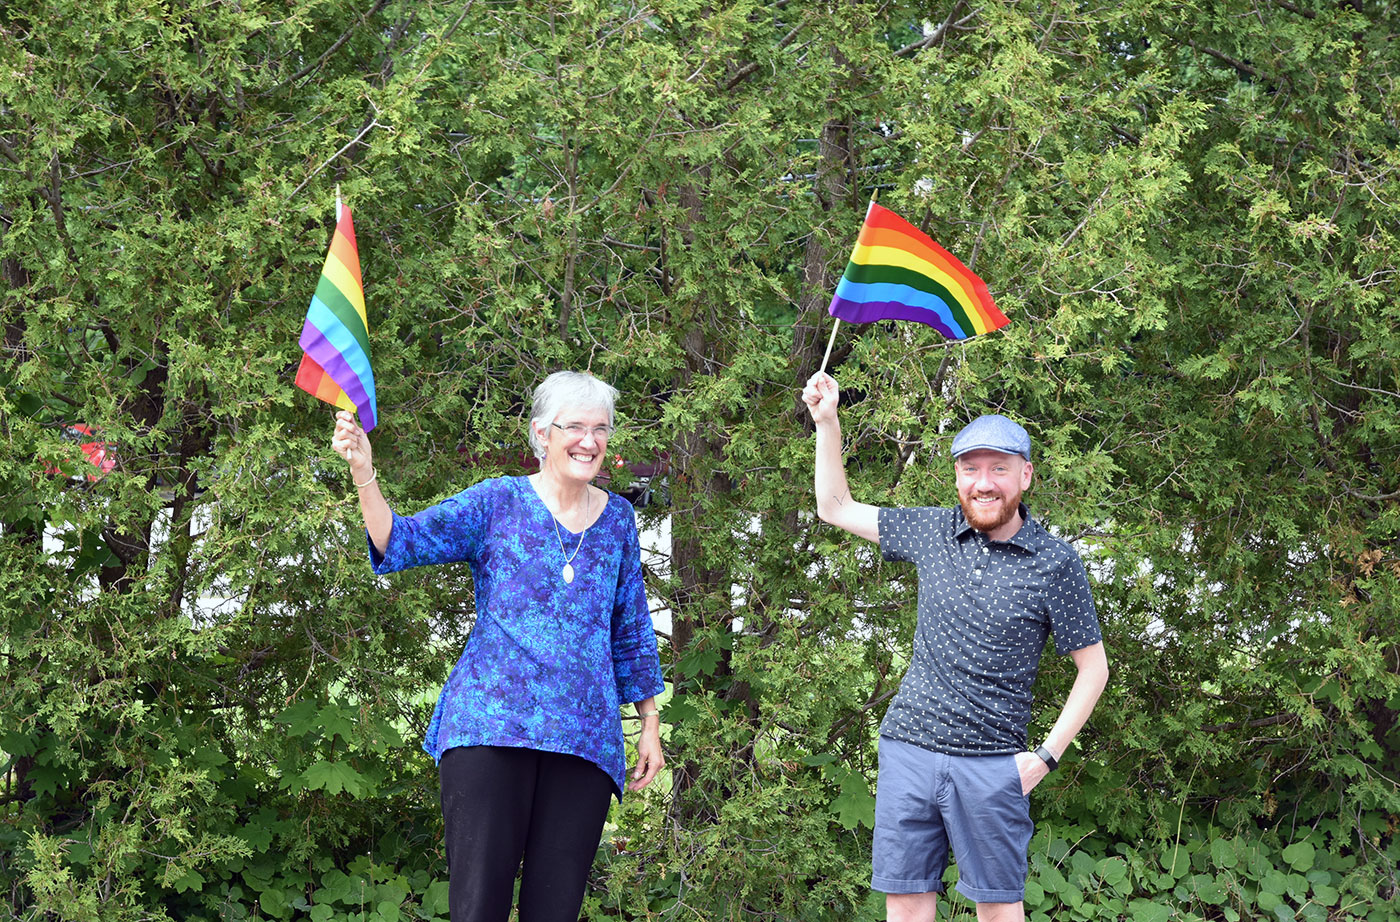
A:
(1047, 757)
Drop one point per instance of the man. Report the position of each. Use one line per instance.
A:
(993, 584)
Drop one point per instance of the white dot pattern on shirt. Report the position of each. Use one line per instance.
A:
(983, 618)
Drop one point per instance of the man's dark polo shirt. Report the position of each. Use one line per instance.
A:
(985, 610)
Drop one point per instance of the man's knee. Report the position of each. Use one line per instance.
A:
(1000, 912)
(911, 907)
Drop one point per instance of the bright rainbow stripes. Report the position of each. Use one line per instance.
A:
(335, 338)
(897, 273)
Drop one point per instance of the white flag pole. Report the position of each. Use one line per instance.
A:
(829, 343)
(832, 341)
(349, 452)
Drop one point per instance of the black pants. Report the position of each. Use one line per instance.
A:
(502, 806)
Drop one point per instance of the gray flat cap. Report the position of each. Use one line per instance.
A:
(995, 432)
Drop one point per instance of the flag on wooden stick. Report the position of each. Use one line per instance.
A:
(335, 363)
(897, 272)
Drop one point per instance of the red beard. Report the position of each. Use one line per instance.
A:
(990, 518)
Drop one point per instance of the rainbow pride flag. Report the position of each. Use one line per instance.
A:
(897, 272)
(335, 338)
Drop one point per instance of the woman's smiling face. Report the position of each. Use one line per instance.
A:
(575, 443)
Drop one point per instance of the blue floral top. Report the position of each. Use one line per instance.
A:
(548, 662)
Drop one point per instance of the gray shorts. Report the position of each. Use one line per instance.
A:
(926, 801)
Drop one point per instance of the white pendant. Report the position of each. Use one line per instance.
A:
(568, 573)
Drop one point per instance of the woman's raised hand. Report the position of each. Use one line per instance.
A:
(351, 443)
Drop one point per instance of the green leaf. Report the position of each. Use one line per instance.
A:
(1223, 853)
(1313, 912)
(28, 404)
(339, 887)
(47, 779)
(333, 778)
(1370, 749)
(258, 831)
(680, 710)
(1211, 891)
(1274, 882)
(190, 880)
(855, 805)
(1147, 911)
(336, 720)
(1299, 855)
(434, 902)
(1325, 894)
(301, 718)
(19, 744)
(1082, 866)
(1114, 872)
(702, 659)
(1053, 881)
(275, 903)
(1175, 860)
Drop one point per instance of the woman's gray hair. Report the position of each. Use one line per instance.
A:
(568, 390)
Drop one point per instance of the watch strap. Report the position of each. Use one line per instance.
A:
(1047, 757)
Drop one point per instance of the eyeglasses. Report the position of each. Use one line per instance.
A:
(576, 431)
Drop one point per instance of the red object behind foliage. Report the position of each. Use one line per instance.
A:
(95, 451)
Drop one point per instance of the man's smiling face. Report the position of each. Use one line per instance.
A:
(990, 484)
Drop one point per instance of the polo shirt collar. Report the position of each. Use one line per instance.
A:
(1027, 538)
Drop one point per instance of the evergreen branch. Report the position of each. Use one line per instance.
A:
(1380, 498)
(1251, 724)
(8, 151)
(53, 194)
(373, 123)
(1292, 8)
(875, 701)
(936, 35)
(345, 37)
(1362, 387)
(386, 67)
(1242, 67)
(609, 240)
(446, 36)
(1125, 134)
(1085, 220)
(751, 68)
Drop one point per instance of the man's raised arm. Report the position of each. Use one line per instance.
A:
(834, 502)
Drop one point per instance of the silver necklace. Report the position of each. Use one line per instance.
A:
(568, 571)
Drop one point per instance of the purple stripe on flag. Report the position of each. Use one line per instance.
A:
(333, 362)
(870, 311)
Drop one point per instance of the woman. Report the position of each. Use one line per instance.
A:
(526, 731)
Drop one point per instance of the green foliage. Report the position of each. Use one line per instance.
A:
(211, 708)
